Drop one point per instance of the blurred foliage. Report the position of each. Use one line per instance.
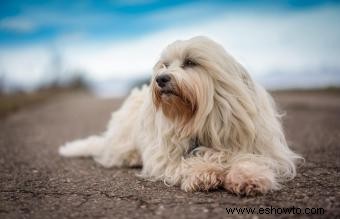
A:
(328, 90)
(140, 82)
(13, 101)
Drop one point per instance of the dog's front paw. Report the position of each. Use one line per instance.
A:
(204, 179)
(245, 187)
(247, 179)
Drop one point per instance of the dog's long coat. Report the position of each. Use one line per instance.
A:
(198, 93)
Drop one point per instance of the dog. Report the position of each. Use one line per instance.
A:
(202, 124)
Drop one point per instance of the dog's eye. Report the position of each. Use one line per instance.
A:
(166, 65)
(189, 63)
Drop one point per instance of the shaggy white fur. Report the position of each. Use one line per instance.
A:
(198, 93)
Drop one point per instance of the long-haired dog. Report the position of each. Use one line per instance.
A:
(203, 124)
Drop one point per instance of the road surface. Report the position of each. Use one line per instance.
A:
(37, 183)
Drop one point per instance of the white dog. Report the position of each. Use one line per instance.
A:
(203, 124)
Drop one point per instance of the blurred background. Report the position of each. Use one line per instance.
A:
(111, 45)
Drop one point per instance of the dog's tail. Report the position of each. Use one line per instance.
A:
(91, 146)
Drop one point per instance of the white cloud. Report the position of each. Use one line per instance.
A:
(25, 66)
(18, 24)
(263, 42)
(33, 19)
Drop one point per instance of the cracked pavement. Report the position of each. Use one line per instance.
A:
(37, 183)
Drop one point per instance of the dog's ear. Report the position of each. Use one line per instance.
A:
(231, 122)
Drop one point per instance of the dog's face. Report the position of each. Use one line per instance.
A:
(183, 80)
(204, 91)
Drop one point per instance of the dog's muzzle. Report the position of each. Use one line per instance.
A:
(165, 84)
(163, 80)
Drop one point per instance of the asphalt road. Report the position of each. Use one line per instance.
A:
(35, 182)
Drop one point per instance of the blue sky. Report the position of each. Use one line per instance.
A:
(36, 21)
(111, 39)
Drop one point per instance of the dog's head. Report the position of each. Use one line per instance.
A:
(192, 78)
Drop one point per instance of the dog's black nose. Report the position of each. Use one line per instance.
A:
(162, 80)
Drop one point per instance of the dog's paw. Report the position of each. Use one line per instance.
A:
(246, 187)
(248, 180)
(131, 159)
(204, 179)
